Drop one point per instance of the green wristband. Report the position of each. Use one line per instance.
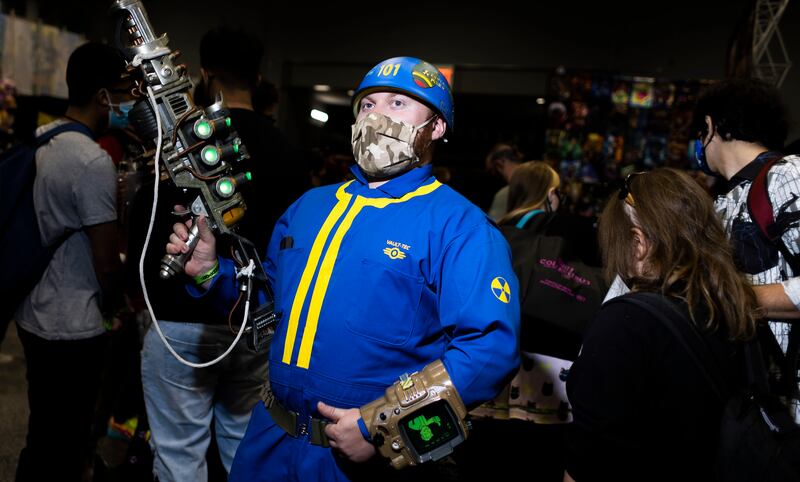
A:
(200, 279)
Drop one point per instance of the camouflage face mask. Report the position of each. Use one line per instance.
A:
(383, 147)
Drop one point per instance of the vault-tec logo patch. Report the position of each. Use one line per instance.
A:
(501, 290)
(394, 253)
(396, 250)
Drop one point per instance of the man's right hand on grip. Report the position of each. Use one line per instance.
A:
(204, 256)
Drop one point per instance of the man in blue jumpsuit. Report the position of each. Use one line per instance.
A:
(373, 278)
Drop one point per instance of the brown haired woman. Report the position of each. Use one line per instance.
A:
(642, 409)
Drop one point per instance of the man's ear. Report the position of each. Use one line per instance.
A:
(709, 129)
(439, 128)
(204, 75)
(102, 98)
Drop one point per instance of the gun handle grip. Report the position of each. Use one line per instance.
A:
(172, 264)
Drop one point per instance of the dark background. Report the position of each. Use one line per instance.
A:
(503, 53)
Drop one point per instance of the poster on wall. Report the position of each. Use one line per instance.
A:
(34, 56)
(17, 53)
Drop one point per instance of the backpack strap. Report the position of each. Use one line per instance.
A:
(665, 311)
(527, 217)
(758, 201)
(72, 126)
(789, 374)
(68, 127)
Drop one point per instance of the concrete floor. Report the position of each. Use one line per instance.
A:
(13, 405)
(14, 413)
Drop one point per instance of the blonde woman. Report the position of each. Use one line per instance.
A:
(532, 189)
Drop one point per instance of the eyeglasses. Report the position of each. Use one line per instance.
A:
(625, 191)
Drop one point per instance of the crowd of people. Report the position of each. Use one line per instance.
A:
(541, 314)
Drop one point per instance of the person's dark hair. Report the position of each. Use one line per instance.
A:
(749, 110)
(233, 57)
(502, 152)
(265, 94)
(792, 148)
(689, 258)
(91, 67)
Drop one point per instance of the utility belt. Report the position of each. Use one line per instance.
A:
(419, 419)
(293, 424)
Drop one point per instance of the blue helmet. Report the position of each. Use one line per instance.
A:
(411, 76)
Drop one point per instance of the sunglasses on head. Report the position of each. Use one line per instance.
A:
(625, 191)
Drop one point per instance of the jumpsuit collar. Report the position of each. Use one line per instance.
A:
(398, 186)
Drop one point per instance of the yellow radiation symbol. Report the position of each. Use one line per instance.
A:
(394, 253)
(501, 290)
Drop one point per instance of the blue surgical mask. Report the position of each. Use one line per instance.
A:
(119, 120)
(700, 157)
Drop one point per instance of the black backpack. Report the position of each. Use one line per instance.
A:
(559, 292)
(758, 438)
(22, 256)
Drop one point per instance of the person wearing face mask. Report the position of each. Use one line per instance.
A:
(741, 126)
(535, 198)
(374, 278)
(118, 113)
(117, 136)
(60, 324)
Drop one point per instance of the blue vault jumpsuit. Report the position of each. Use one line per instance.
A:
(371, 284)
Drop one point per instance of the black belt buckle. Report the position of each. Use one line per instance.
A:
(266, 396)
(318, 435)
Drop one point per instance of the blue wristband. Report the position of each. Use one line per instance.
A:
(364, 432)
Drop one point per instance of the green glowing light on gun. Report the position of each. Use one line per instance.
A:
(225, 187)
(210, 155)
(202, 129)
